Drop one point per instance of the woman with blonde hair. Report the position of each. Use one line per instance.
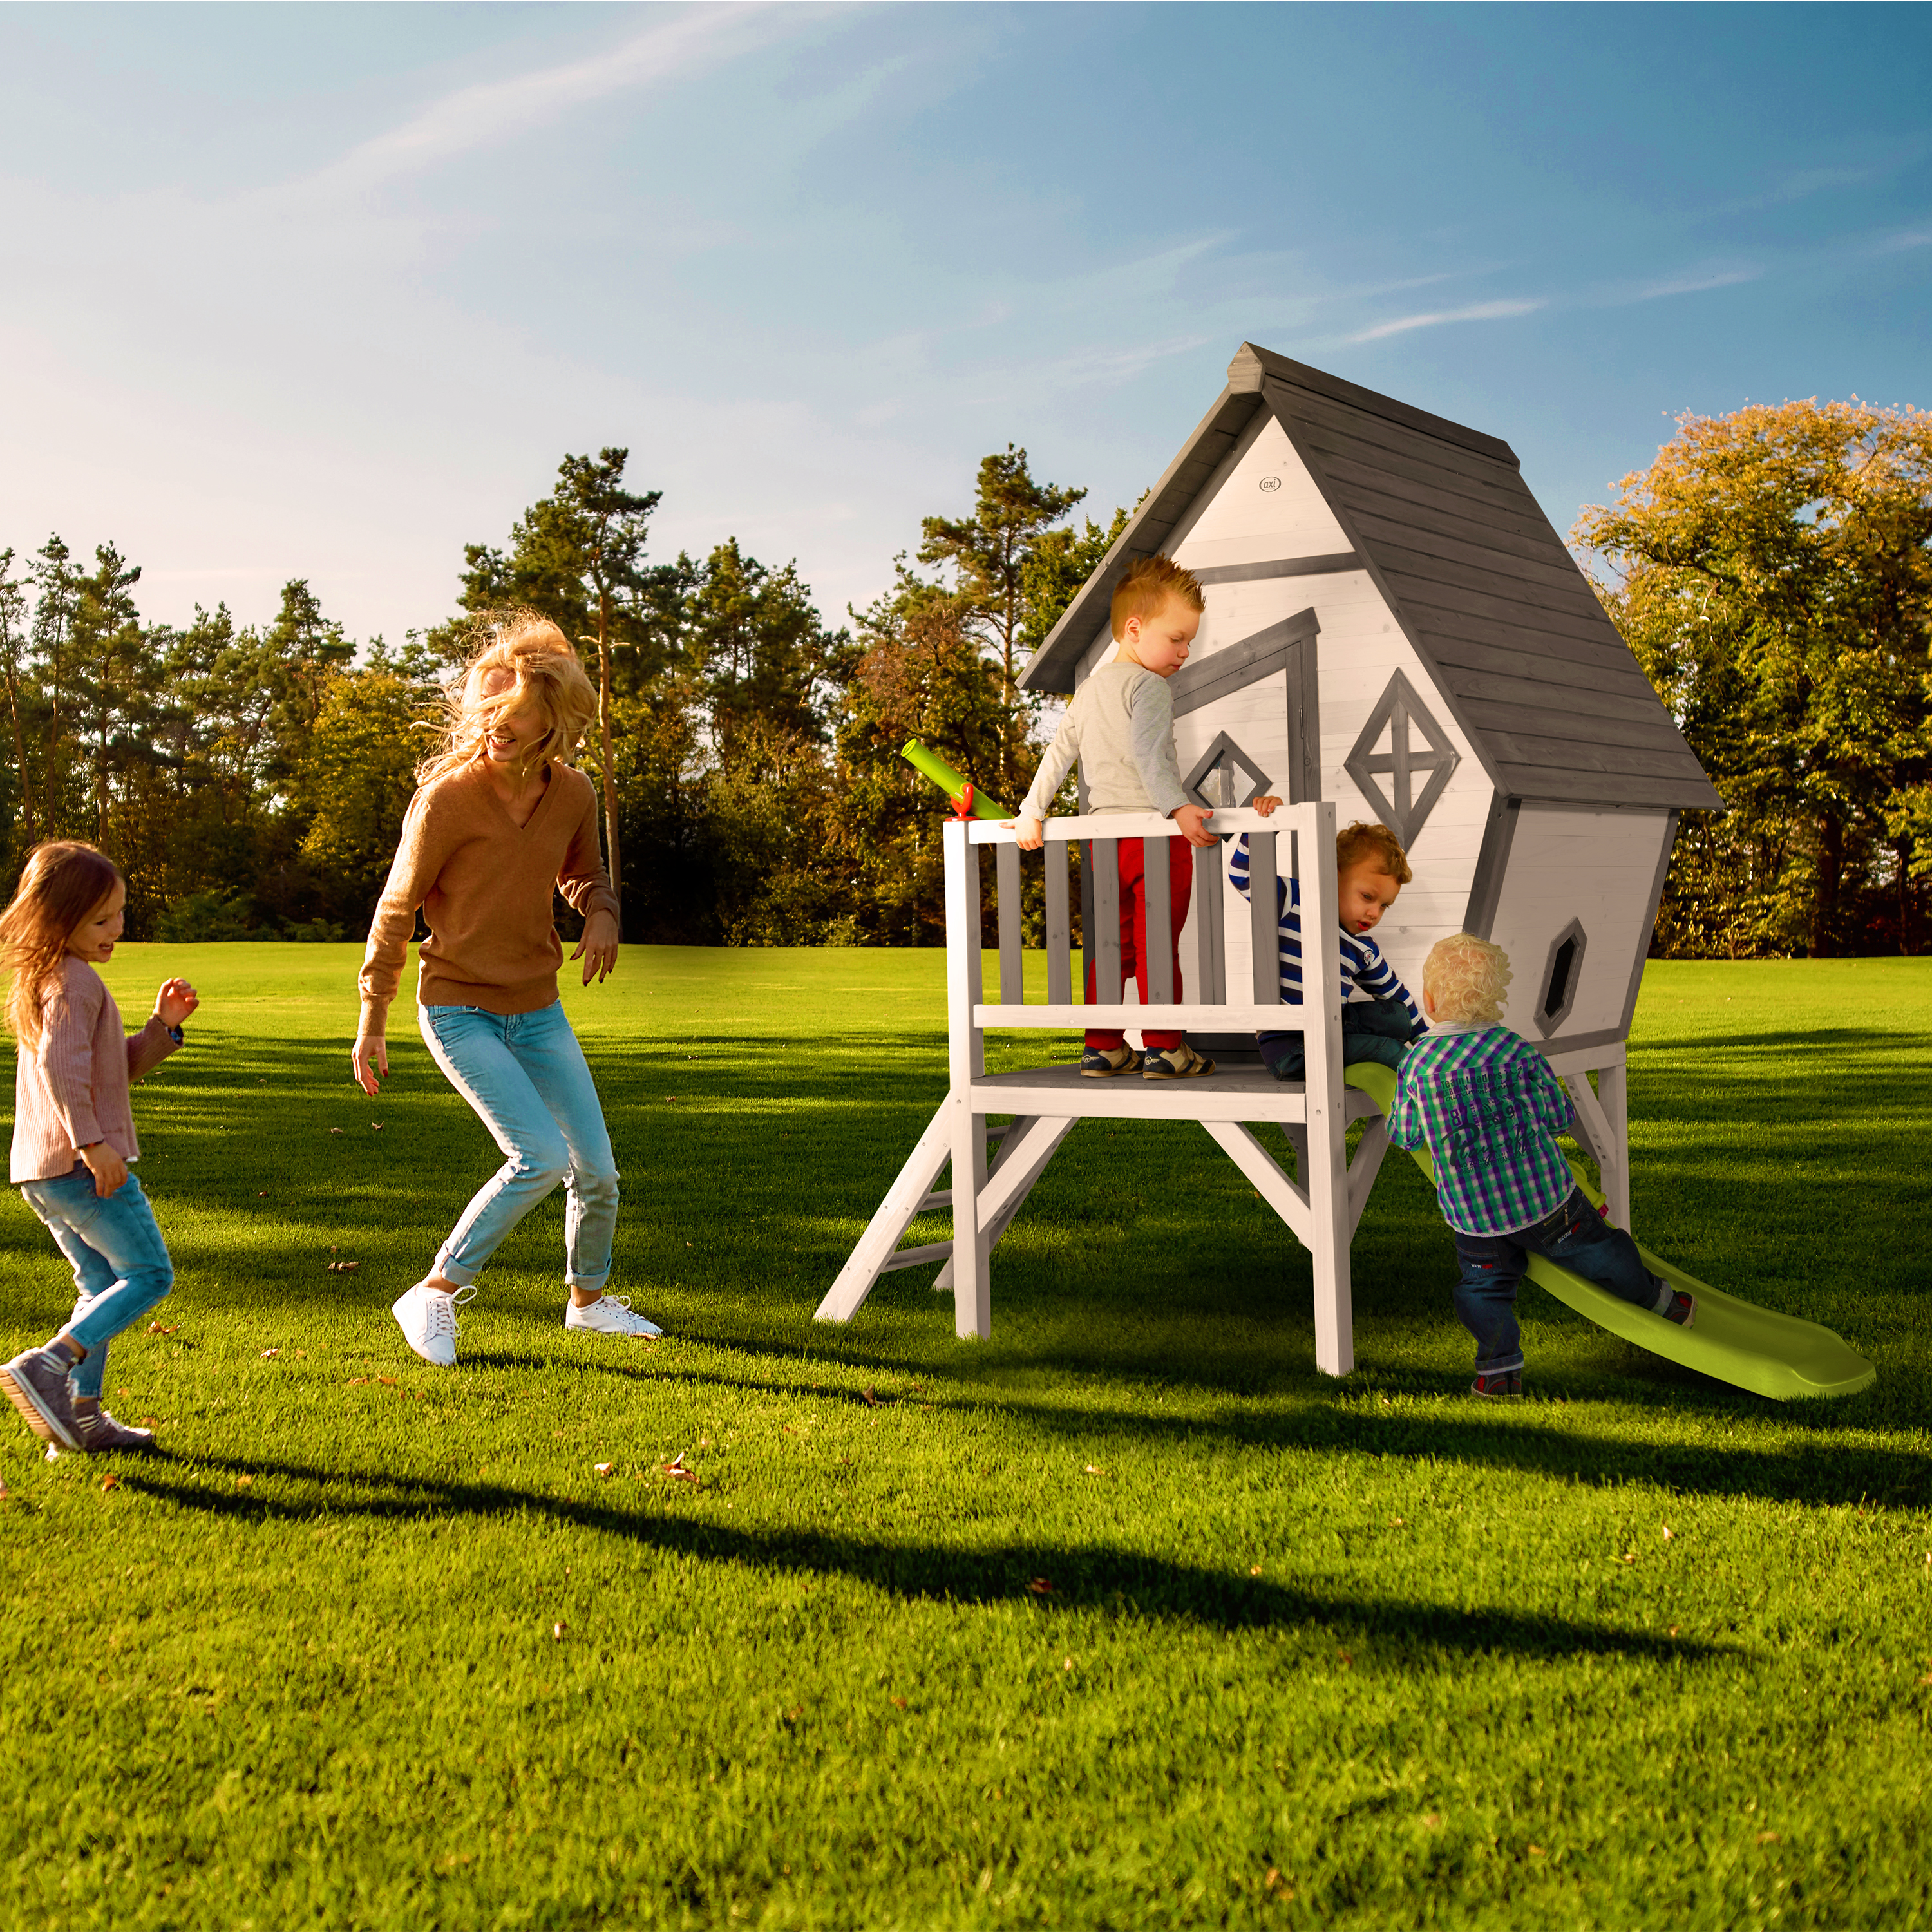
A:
(499, 822)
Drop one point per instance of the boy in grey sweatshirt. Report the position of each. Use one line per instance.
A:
(1120, 726)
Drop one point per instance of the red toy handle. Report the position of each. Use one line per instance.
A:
(962, 805)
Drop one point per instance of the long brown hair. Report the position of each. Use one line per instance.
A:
(521, 656)
(63, 882)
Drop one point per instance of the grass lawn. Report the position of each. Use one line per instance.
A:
(1126, 1618)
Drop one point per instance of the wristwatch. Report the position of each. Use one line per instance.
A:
(174, 1033)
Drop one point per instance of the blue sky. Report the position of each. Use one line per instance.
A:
(325, 291)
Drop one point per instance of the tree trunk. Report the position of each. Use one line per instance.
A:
(612, 856)
(1821, 942)
(20, 756)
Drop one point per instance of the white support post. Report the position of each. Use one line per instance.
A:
(972, 1288)
(874, 1255)
(1326, 1177)
(1023, 1156)
(1613, 1095)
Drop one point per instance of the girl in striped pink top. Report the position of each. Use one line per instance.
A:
(73, 1133)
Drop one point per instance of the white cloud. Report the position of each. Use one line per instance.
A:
(1488, 311)
(491, 111)
(1693, 282)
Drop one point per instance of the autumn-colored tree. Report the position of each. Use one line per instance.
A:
(1771, 571)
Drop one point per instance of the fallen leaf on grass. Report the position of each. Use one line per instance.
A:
(1630, 1556)
(3, 1490)
(344, 1267)
(148, 1422)
(557, 1630)
(604, 1468)
(1066, 1663)
(1672, 1630)
(1254, 1569)
(1344, 1658)
(872, 1400)
(1771, 1837)
(244, 1482)
(1093, 1469)
(1274, 1882)
(261, 1194)
(1040, 1587)
(1433, 1820)
(335, 1130)
(155, 1328)
(675, 1467)
(375, 1127)
(1536, 1851)
(1666, 1532)
(1397, 1522)
(110, 1482)
(357, 1381)
(387, 1382)
(269, 1355)
(898, 1702)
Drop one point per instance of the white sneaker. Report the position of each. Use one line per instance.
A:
(610, 1315)
(427, 1318)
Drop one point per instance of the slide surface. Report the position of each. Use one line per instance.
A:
(1772, 1354)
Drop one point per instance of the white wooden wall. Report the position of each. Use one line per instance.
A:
(1359, 647)
(1599, 867)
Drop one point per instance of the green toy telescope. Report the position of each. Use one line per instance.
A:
(934, 767)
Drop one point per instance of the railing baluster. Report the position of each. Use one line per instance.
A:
(1263, 941)
(1089, 957)
(1059, 928)
(1156, 901)
(1211, 967)
(1107, 918)
(1012, 977)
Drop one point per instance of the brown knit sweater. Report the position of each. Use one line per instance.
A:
(70, 1086)
(484, 885)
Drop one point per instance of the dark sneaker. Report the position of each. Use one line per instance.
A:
(1103, 1062)
(37, 1386)
(100, 1433)
(1178, 1063)
(1504, 1383)
(1682, 1310)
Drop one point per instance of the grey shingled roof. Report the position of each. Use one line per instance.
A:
(1546, 690)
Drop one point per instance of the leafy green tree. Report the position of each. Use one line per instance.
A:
(57, 596)
(109, 651)
(988, 554)
(1058, 563)
(14, 623)
(1772, 573)
(760, 650)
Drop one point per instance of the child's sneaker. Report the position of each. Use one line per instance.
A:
(1100, 1063)
(1503, 1383)
(37, 1385)
(1177, 1063)
(1682, 1309)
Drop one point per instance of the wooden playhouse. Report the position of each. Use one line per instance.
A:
(1393, 631)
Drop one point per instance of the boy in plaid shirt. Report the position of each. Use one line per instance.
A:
(1489, 1109)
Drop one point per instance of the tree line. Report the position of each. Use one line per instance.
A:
(1772, 570)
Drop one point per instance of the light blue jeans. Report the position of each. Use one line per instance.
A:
(120, 1262)
(526, 1077)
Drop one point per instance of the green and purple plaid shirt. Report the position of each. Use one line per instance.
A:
(1488, 1108)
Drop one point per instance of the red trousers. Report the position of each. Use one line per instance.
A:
(1134, 933)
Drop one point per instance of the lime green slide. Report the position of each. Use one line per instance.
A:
(923, 760)
(1771, 1354)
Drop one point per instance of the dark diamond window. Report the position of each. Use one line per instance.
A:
(1402, 783)
(1226, 776)
(1561, 977)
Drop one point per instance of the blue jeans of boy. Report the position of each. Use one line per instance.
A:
(527, 1078)
(1375, 1030)
(1576, 1237)
(120, 1262)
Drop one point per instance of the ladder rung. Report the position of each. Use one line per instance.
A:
(906, 1258)
(940, 1197)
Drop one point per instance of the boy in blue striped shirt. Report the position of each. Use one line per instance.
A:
(1370, 868)
(1486, 1104)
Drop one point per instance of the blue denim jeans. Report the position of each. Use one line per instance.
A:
(527, 1078)
(1375, 1030)
(120, 1262)
(1577, 1237)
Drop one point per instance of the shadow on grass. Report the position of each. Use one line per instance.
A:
(1079, 1577)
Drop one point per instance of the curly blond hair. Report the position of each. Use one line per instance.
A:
(1468, 979)
(520, 658)
(1360, 840)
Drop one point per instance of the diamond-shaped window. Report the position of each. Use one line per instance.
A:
(1403, 782)
(1225, 776)
(1561, 975)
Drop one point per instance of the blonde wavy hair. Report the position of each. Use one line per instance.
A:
(1468, 979)
(520, 658)
(63, 882)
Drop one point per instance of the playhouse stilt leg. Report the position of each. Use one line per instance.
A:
(895, 1215)
(1030, 1144)
(1325, 1174)
(1613, 1093)
(972, 1284)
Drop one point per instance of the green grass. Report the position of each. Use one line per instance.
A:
(1364, 1654)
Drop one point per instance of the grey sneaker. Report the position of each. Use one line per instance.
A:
(99, 1432)
(36, 1385)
